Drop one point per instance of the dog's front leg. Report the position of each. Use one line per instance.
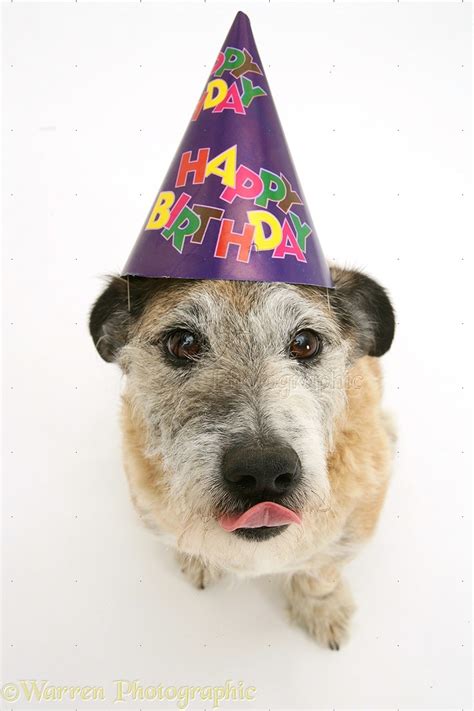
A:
(322, 604)
(199, 573)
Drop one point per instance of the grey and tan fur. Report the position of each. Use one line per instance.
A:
(178, 423)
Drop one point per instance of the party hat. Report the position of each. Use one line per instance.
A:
(231, 205)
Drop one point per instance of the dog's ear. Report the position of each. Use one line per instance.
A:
(364, 310)
(110, 319)
(115, 311)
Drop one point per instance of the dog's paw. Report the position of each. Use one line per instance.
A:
(197, 572)
(325, 617)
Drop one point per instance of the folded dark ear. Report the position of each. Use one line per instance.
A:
(115, 311)
(364, 310)
(110, 319)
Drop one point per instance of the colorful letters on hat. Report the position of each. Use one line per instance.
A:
(231, 206)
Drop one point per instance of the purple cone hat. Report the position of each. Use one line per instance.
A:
(231, 205)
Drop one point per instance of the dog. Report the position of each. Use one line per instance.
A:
(253, 436)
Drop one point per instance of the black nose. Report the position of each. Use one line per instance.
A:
(272, 470)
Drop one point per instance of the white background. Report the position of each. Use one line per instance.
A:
(374, 98)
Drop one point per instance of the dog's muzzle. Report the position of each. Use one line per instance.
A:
(259, 478)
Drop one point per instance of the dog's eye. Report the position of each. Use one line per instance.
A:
(184, 345)
(306, 344)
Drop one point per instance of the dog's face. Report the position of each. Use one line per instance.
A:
(239, 385)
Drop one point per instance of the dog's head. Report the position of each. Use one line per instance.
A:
(239, 385)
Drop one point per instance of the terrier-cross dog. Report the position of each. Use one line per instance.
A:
(254, 439)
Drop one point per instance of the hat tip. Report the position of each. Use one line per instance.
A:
(242, 17)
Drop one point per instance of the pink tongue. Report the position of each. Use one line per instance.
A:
(267, 513)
